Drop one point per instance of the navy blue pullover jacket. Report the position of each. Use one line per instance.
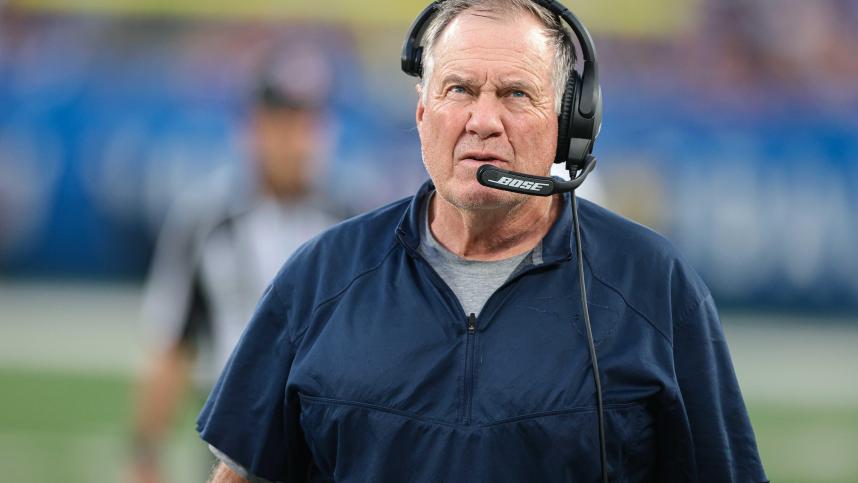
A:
(359, 366)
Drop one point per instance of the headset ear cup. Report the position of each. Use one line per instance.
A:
(597, 121)
(564, 120)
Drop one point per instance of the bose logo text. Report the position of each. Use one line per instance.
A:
(517, 183)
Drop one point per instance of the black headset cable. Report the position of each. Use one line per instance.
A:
(603, 457)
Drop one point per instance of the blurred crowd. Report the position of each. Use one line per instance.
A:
(749, 53)
(775, 48)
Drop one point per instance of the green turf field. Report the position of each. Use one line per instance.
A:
(55, 426)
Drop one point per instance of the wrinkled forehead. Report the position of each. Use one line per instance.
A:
(482, 35)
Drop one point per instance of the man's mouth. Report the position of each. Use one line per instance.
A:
(483, 157)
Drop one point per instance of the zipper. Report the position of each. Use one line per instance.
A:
(470, 349)
(469, 367)
(471, 320)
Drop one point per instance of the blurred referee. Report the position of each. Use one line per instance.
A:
(216, 254)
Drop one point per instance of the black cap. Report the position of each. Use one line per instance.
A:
(295, 77)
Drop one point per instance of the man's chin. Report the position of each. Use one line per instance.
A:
(476, 197)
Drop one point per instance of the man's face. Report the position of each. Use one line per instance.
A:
(284, 141)
(490, 100)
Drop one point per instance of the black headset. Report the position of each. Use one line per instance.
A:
(578, 125)
(580, 117)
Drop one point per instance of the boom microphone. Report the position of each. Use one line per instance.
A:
(501, 179)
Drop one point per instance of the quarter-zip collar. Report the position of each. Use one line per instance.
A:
(556, 246)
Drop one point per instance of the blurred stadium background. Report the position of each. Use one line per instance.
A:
(731, 126)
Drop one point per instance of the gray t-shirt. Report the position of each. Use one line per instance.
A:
(472, 281)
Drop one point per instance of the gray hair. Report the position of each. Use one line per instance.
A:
(558, 37)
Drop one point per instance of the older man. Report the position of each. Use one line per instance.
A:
(438, 339)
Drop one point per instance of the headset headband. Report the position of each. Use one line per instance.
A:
(588, 51)
(415, 33)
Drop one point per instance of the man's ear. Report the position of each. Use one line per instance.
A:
(420, 107)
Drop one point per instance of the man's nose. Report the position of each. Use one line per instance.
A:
(485, 117)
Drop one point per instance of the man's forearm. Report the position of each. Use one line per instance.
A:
(159, 397)
(224, 474)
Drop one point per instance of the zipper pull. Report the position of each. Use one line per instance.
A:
(472, 324)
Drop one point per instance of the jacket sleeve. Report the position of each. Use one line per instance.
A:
(724, 446)
(248, 416)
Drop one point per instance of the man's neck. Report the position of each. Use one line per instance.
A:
(492, 234)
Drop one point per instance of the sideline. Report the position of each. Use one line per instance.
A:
(96, 328)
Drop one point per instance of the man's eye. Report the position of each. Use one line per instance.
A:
(458, 90)
(518, 94)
